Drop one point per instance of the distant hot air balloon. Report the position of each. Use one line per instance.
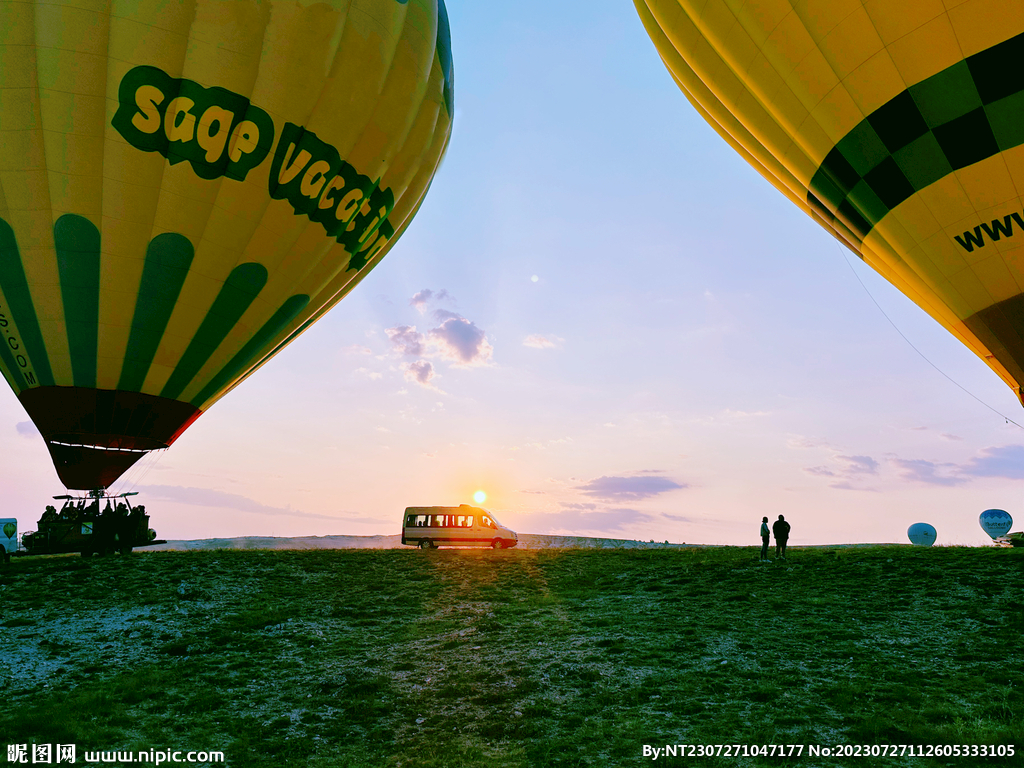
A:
(996, 522)
(185, 186)
(921, 534)
(899, 127)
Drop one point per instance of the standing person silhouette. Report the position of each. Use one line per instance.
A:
(765, 533)
(781, 530)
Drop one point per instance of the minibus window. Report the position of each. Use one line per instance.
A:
(410, 521)
(462, 521)
(487, 521)
(469, 521)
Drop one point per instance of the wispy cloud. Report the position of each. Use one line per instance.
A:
(679, 518)
(846, 470)
(930, 472)
(629, 488)
(846, 485)
(357, 349)
(205, 497)
(542, 342)
(859, 465)
(820, 471)
(577, 519)
(1002, 461)
(798, 442)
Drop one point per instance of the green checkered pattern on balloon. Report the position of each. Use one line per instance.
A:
(955, 118)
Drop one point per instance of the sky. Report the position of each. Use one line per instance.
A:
(605, 320)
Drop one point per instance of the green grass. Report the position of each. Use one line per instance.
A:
(514, 658)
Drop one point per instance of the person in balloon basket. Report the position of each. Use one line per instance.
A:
(765, 534)
(781, 530)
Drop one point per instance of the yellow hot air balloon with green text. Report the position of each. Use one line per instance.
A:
(898, 126)
(185, 186)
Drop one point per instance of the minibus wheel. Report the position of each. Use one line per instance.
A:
(425, 544)
(498, 544)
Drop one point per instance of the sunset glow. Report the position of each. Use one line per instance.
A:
(602, 322)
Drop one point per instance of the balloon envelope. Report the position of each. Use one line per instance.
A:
(921, 534)
(899, 127)
(186, 186)
(996, 522)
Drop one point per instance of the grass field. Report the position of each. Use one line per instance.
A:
(514, 658)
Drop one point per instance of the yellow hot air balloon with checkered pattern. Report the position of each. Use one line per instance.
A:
(898, 126)
(185, 186)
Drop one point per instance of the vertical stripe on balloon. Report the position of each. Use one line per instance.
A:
(77, 242)
(19, 300)
(168, 258)
(240, 289)
(284, 315)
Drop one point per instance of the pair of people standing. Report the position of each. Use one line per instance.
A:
(781, 530)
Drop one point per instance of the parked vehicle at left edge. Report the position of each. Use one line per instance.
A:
(8, 537)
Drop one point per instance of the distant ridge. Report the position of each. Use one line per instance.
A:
(394, 541)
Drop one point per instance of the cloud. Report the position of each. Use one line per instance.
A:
(845, 469)
(555, 441)
(822, 471)
(680, 518)
(846, 485)
(542, 342)
(1003, 461)
(26, 429)
(573, 520)
(732, 415)
(421, 372)
(859, 465)
(420, 299)
(357, 349)
(407, 340)
(204, 497)
(629, 488)
(455, 339)
(460, 340)
(799, 441)
(583, 507)
(923, 471)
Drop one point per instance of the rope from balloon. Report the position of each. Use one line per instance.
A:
(923, 356)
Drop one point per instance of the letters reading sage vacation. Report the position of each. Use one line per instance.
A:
(221, 134)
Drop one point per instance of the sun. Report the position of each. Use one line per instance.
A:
(479, 497)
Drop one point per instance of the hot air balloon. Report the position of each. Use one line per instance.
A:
(921, 534)
(996, 522)
(899, 127)
(186, 186)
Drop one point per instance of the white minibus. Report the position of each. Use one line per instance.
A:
(462, 526)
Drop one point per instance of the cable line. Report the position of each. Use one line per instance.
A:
(1006, 418)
